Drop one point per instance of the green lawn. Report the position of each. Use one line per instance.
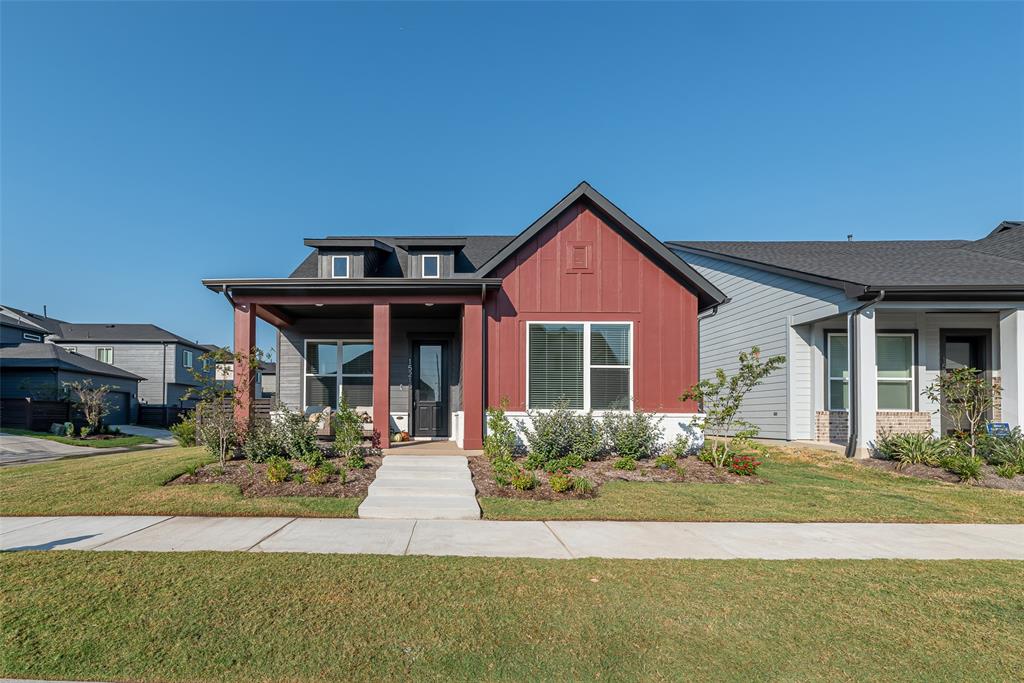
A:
(801, 489)
(121, 441)
(292, 617)
(132, 484)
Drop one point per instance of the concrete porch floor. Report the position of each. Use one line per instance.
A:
(428, 448)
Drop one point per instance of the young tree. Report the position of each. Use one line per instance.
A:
(348, 430)
(92, 401)
(721, 399)
(965, 397)
(215, 418)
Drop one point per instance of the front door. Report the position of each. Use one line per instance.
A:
(430, 389)
(963, 349)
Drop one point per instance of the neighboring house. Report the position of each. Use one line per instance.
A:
(583, 308)
(41, 371)
(162, 359)
(267, 381)
(865, 326)
(225, 376)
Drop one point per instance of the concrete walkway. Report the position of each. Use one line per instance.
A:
(553, 540)
(421, 487)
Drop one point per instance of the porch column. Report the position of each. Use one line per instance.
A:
(473, 376)
(863, 382)
(1011, 365)
(245, 342)
(382, 371)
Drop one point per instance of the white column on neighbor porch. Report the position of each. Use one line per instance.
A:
(865, 375)
(1011, 365)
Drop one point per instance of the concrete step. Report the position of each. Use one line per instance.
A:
(393, 472)
(426, 460)
(419, 507)
(418, 487)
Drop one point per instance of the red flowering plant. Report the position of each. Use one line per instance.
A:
(744, 464)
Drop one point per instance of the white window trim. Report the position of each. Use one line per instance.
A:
(423, 263)
(903, 380)
(912, 379)
(587, 367)
(105, 348)
(72, 349)
(348, 267)
(186, 358)
(31, 337)
(338, 382)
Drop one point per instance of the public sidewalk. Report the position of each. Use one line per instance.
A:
(554, 540)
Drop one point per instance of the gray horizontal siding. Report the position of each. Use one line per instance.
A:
(760, 312)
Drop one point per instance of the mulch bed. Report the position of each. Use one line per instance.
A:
(989, 478)
(600, 472)
(251, 478)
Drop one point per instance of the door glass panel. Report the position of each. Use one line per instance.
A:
(429, 386)
(958, 355)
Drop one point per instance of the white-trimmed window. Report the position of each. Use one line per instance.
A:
(579, 365)
(431, 265)
(894, 359)
(31, 337)
(186, 358)
(340, 266)
(894, 356)
(321, 384)
(105, 354)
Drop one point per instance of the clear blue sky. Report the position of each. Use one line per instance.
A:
(146, 146)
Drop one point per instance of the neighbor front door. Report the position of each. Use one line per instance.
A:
(429, 389)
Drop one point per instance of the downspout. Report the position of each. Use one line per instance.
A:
(851, 339)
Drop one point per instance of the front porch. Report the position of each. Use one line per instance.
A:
(412, 363)
(866, 371)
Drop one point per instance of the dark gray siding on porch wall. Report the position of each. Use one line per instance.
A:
(758, 314)
(290, 370)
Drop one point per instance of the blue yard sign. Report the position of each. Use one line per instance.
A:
(1000, 430)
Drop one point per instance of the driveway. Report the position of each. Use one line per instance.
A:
(162, 436)
(20, 450)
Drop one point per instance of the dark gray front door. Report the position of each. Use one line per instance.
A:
(963, 349)
(429, 389)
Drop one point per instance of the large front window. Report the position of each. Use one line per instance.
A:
(323, 388)
(894, 358)
(583, 366)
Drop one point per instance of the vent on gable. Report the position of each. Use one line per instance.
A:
(579, 257)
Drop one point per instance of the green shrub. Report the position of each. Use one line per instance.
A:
(504, 467)
(665, 461)
(967, 467)
(1009, 449)
(215, 470)
(342, 476)
(192, 469)
(552, 434)
(501, 435)
(348, 430)
(523, 480)
(86, 431)
(588, 437)
(263, 441)
(356, 461)
(911, 449)
(633, 435)
(1007, 470)
(298, 436)
(625, 463)
(560, 483)
(320, 475)
(680, 446)
(565, 464)
(278, 469)
(69, 429)
(582, 485)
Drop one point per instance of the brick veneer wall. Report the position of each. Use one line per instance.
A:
(997, 400)
(833, 425)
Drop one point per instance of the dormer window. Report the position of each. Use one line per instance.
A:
(340, 266)
(431, 265)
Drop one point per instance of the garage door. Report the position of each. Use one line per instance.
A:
(117, 404)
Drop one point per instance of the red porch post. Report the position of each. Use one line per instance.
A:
(245, 342)
(473, 375)
(382, 371)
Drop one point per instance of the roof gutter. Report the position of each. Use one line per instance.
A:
(851, 341)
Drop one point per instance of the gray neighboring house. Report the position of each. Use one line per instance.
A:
(20, 327)
(40, 371)
(865, 326)
(161, 358)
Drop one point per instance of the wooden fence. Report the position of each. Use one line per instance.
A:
(26, 413)
(161, 416)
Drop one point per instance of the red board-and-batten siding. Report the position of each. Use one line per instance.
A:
(621, 284)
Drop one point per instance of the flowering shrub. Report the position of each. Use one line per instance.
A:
(523, 480)
(744, 464)
(278, 469)
(560, 483)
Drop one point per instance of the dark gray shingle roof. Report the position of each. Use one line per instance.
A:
(996, 260)
(119, 332)
(34, 355)
(29, 320)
